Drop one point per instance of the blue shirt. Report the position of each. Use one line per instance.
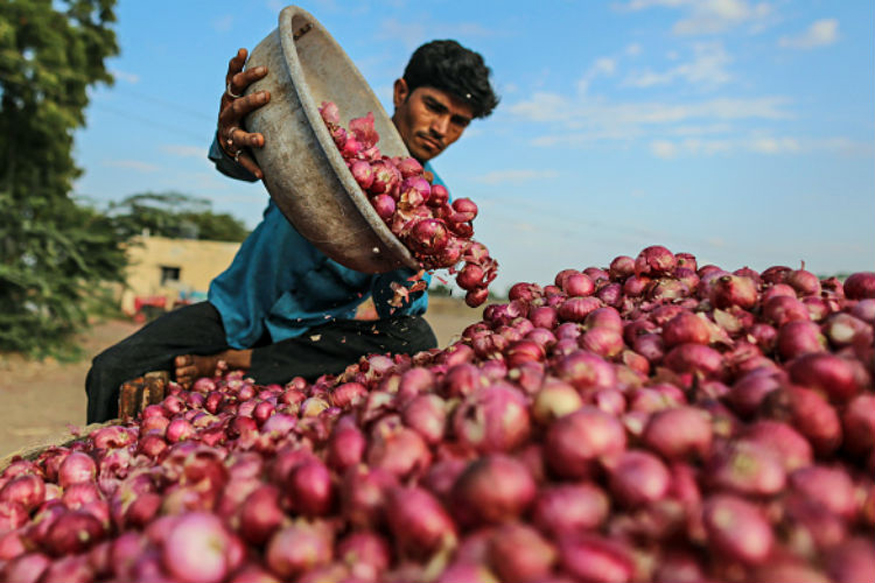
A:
(280, 283)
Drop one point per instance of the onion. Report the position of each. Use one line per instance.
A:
(492, 489)
(555, 399)
(492, 419)
(575, 309)
(28, 490)
(576, 440)
(569, 508)
(737, 528)
(746, 467)
(518, 552)
(637, 478)
(427, 414)
(733, 290)
(799, 337)
(654, 261)
(828, 487)
(686, 327)
(590, 557)
(366, 554)
(260, 514)
(621, 267)
(859, 286)
(679, 433)
(826, 373)
(77, 467)
(73, 532)
(418, 521)
(585, 371)
(297, 548)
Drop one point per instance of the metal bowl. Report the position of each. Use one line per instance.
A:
(304, 172)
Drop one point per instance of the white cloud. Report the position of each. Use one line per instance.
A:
(223, 23)
(710, 16)
(132, 165)
(550, 107)
(131, 78)
(412, 34)
(633, 50)
(663, 149)
(820, 34)
(706, 70)
(184, 151)
(770, 145)
(519, 175)
(603, 66)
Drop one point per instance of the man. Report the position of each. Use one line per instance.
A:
(282, 308)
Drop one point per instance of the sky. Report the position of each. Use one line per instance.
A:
(737, 130)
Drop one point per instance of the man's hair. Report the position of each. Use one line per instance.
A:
(450, 67)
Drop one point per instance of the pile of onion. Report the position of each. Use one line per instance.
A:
(437, 232)
(650, 420)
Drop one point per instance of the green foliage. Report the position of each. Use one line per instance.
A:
(53, 252)
(174, 215)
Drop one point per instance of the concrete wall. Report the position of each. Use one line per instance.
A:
(197, 262)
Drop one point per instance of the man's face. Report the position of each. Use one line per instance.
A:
(428, 119)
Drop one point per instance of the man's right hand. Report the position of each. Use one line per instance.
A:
(234, 107)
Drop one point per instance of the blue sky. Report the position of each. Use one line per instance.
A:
(736, 130)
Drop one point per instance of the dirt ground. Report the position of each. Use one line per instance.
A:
(44, 402)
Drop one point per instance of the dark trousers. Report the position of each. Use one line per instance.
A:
(197, 329)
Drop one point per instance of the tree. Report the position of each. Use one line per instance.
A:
(53, 252)
(174, 215)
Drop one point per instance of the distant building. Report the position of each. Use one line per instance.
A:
(164, 273)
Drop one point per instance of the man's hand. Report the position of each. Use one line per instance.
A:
(235, 106)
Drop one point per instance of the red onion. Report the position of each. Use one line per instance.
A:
(77, 467)
(492, 419)
(828, 487)
(73, 532)
(799, 337)
(518, 552)
(746, 467)
(574, 441)
(654, 261)
(418, 521)
(860, 285)
(590, 557)
(679, 433)
(28, 490)
(790, 447)
(366, 554)
(686, 327)
(401, 451)
(637, 478)
(297, 548)
(555, 399)
(696, 359)
(585, 371)
(737, 528)
(733, 290)
(260, 514)
(575, 309)
(492, 489)
(827, 373)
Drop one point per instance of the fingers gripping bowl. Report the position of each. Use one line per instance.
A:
(304, 173)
